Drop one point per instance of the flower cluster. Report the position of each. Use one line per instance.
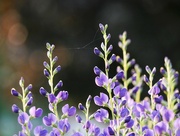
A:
(121, 111)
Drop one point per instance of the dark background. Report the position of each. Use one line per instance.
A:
(26, 25)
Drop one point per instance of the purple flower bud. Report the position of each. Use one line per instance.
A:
(163, 71)
(119, 92)
(29, 87)
(123, 102)
(108, 37)
(14, 92)
(42, 91)
(98, 52)
(40, 131)
(23, 118)
(110, 48)
(63, 125)
(120, 75)
(78, 118)
(57, 69)
(149, 132)
(135, 89)
(50, 119)
(154, 71)
(46, 73)
(158, 99)
(146, 80)
(62, 95)
(68, 111)
(58, 85)
(131, 134)
(21, 82)
(132, 62)
(88, 101)
(101, 115)
(55, 59)
(113, 57)
(30, 101)
(35, 112)
(46, 65)
(87, 125)
(101, 26)
(15, 108)
(102, 100)
(118, 59)
(148, 70)
(81, 107)
(52, 98)
(110, 131)
(127, 119)
(97, 71)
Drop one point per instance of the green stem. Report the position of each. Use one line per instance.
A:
(107, 74)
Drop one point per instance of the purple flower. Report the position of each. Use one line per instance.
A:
(35, 112)
(15, 108)
(77, 134)
(63, 125)
(49, 120)
(62, 95)
(68, 111)
(54, 132)
(119, 92)
(154, 90)
(130, 123)
(52, 98)
(23, 118)
(101, 80)
(101, 115)
(155, 116)
(161, 127)
(148, 132)
(167, 114)
(102, 100)
(178, 132)
(124, 112)
(40, 131)
(95, 130)
(177, 124)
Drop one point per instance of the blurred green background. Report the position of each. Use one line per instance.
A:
(26, 26)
